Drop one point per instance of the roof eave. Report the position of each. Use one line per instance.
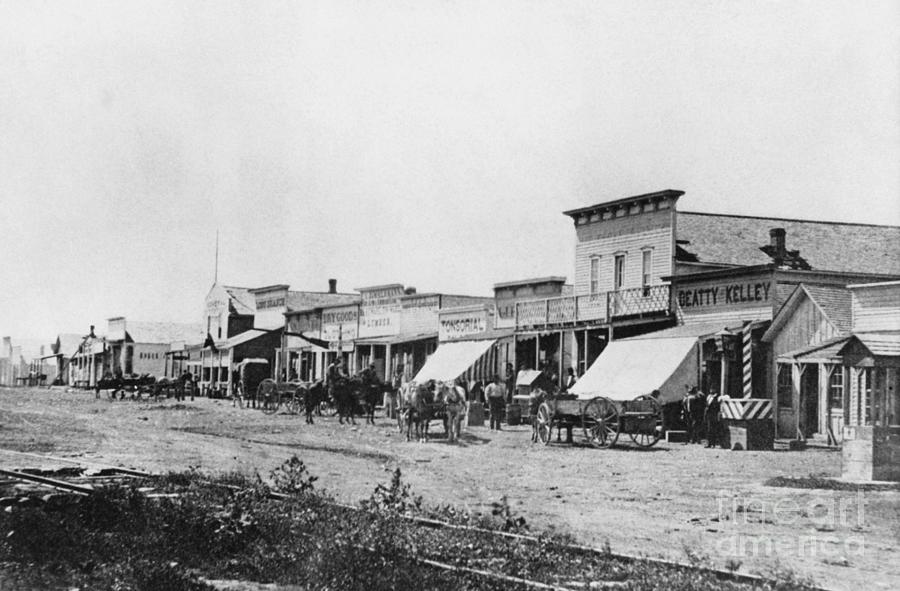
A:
(664, 194)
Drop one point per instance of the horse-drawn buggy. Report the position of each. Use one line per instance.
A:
(176, 388)
(272, 395)
(601, 420)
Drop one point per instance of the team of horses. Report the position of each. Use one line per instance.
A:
(422, 403)
(418, 404)
(139, 386)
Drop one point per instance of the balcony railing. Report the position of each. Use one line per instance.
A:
(640, 301)
(600, 307)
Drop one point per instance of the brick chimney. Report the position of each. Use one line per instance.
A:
(92, 332)
(777, 244)
(332, 286)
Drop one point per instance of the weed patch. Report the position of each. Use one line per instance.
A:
(230, 527)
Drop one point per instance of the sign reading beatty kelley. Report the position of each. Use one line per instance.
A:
(744, 293)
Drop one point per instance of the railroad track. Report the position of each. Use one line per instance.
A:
(107, 474)
(77, 477)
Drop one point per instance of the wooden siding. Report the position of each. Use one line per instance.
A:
(806, 326)
(624, 225)
(728, 318)
(419, 320)
(876, 308)
(658, 240)
(149, 359)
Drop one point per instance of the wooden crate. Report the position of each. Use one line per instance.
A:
(749, 435)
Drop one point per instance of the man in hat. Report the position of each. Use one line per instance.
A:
(496, 396)
(692, 406)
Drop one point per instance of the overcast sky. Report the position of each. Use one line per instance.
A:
(430, 143)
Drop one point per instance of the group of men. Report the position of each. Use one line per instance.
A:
(701, 415)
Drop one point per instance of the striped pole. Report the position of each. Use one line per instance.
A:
(748, 359)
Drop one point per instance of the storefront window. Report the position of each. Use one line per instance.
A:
(785, 386)
(836, 388)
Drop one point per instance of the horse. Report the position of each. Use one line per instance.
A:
(352, 396)
(405, 394)
(168, 387)
(419, 409)
(314, 394)
(368, 396)
(453, 400)
(693, 406)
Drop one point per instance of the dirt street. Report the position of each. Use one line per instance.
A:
(671, 501)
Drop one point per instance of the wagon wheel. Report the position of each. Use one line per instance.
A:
(600, 421)
(543, 423)
(643, 439)
(268, 397)
(294, 401)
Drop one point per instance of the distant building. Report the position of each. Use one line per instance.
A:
(64, 349)
(390, 325)
(242, 322)
(138, 347)
(90, 362)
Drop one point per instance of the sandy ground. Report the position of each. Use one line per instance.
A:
(670, 501)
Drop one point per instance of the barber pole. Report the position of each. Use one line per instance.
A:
(748, 359)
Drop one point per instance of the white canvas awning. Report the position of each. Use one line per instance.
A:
(452, 360)
(632, 367)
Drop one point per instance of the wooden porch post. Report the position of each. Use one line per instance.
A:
(562, 352)
(797, 371)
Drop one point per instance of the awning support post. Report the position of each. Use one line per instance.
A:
(562, 352)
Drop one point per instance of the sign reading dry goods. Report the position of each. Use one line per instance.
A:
(340, 325)
(726, 294)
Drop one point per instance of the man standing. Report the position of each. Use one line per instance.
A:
(510, 382)
(570, 379)
(496, 395)
(712, 420)
(692, 412)
(334, 376)
(396, 387)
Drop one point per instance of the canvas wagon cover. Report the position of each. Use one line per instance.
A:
(527, 377)
(451, 360)
(632, 367)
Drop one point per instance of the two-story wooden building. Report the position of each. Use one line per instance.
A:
(643, 266)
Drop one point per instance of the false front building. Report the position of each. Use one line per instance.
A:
(642, 267)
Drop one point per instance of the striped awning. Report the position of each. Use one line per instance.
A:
(472, 360)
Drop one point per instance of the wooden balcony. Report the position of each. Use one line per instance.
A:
(597, 308)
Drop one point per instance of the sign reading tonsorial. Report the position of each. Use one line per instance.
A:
(464, 323)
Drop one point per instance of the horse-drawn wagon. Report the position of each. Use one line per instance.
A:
(135, 385)
(261, 391)
(601, 419)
